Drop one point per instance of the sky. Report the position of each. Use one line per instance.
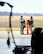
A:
(24, 6)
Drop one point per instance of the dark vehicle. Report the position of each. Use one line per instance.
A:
(36, 41)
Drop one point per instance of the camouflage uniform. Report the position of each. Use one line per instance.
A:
(31, 24)
(22, 25)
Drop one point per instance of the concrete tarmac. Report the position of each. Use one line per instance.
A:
(23, 39)
(16, 34)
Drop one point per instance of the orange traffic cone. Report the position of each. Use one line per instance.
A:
(27, 27)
